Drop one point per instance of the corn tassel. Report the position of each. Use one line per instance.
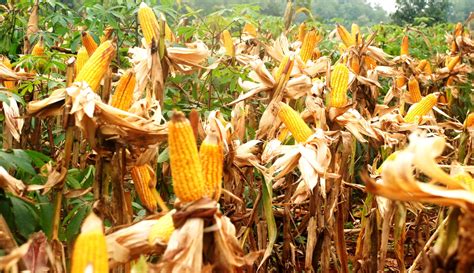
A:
(250, 30)
(469, 122)
(38, 49)
(88, 42)
(107, 34)
(123, 96)
(161, 232)
(144, 185)
(293, 121)
(96, 66)
(301, 32)
(370, 62)
(404, 48)
(345, 36)
(339, 83)
(453, 62)
(90, 248)
(148, 23)
(309, 43)
(228, 43)
(414, 89)
(356, 35)
(211, 155)
(186, 169)
(81, 59)
(421, 108)
(8, 84)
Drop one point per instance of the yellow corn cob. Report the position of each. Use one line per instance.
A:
(88, 42)
(400, 81)
(81, 59)
(228, 43)
(148, 23)
(283, 134)
(370, 62)
(186, 170)
(96, 66)
(293, 121)
(301, 32)
(427, 68)
(169, 35)
(345, 36)
(465, 179)
(250, 29)
(421, 65)
(123, 96)
(107, 34)
(355, 33)
(211, 155)
(8, 84)
(454, 47)
(282, 66)
(404, 48)
(144, 185)
(310, 41)
(355, 66)
(453, 62)
(38, 49)
(161, 232)
(414, 89)
(339, 83)
(469, 122)
(90, 248)
(285, 67)
(421, 108)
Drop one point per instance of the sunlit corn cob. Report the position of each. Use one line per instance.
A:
(169, 35)
(301, 32)
(421, 65)
(453, 62)
(293, 121)
(421, 108)
(88, 42)
(281, 67)
(228, 43)
(465, 179)
(250, 29)
(404, 47)
(355, 66)
(8, 84)
(161, 232)
(400, 81)
(186, 170)
(285, 67)
(339, 83)
(123, 96)
(96, 66)
(469, 122)
(414, 89)
(148, 23)
(81, 59)
(427, 68)
(355, 33)
(310, 40)
(283, 134)
(211, 154)
(345, 36)
(370, 62)
(90, 248)
(38, 49)
(145, 186)
(107, 34)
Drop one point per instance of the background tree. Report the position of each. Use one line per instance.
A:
(417, 11)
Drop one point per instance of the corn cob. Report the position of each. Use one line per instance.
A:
(404, 48)
(38, 49)
(148, 23)
(250, 29)
(427, 68)
(355, 66)
(88, 42)
(107, 34)
(301, 32)
(414, 89)
(469, 122)
(8, 84)
(400, 81)
(186, 170)
(458, 29)
(144, 185)
(81, 59)
(465, 179)
(421, 65)
(370, 62)
(282, 66)
(228, 43)
(345, 36)
(283, 134)
(90, 248)
(421, 108)
(453, 62)
(309, 43)
(316, 54)
(211, 155)
(454, 47)
(161, 232)
(293, 121)
(96, 66)
(285, 68)
(169, 35)
(355, 33)
(123, 96)
(339, 83)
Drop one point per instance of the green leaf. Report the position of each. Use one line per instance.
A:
(73, 227)
(269, 217)
(25, 217)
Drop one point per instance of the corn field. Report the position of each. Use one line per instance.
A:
(166, 142)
